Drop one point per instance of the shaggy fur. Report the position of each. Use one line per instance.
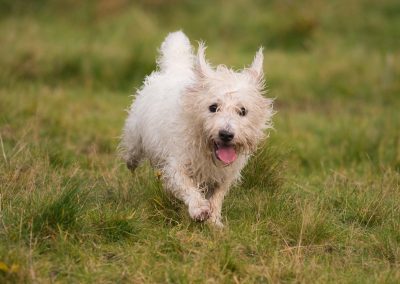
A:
(198, 125)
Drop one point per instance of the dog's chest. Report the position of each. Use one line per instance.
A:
(208, 188)
(209, 176)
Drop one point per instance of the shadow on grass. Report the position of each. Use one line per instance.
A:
(62, 213)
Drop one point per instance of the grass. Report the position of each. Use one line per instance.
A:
(319, 202)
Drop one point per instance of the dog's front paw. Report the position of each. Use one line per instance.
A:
(215, 221)
(200, 210)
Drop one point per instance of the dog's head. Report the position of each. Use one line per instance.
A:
(227, 108)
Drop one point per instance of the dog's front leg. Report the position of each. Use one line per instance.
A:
(183, 188)
(216, 200)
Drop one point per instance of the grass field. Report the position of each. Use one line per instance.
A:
(319, 202)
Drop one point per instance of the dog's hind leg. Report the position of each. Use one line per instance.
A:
(133, 160)
(131, 148)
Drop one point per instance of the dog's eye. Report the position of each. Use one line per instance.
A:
(242, 111)
(213, 108)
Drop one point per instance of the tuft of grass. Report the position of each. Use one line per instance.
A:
(61, 214)
(117, 229)
(265, 170)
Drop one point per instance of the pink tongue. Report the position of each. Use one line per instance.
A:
(226, 154)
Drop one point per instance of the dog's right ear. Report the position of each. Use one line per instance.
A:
(256, 68)
(202, 68)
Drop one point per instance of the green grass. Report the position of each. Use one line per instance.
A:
(319, 202)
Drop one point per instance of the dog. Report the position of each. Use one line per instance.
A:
(198, 125)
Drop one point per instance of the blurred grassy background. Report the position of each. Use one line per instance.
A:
(111, 44)
(320, 202)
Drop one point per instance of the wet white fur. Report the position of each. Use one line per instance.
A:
(170, 124)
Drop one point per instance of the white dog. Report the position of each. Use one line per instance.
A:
(197, 125)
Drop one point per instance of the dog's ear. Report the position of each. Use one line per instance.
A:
(202, 68)
(256, 68)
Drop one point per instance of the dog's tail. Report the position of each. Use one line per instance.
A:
(175, 53)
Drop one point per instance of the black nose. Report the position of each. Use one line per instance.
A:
(225, 135)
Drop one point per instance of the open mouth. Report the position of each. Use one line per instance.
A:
(225, 153)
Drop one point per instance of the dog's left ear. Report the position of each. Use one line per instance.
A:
(256, 68)
(202, 67)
